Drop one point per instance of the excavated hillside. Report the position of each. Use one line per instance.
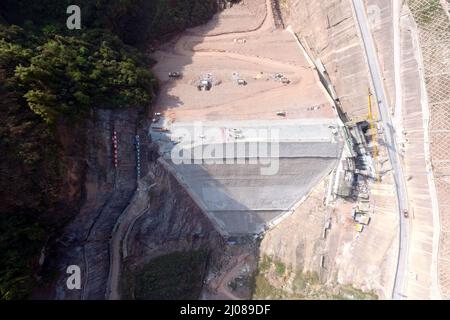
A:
(105, 158)
(316, 252)
(139, 233)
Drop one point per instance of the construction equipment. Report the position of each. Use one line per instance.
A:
(372, 121)
(278, 76)
(285, 80)
(236, 135)
(374, 132)
(362, 219)
(204, 85)
(174, 74)
(405, 213)
(359, 227)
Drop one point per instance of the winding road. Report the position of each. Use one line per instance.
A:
(399, 179)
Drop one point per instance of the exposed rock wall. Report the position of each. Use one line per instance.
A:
(106, 192)
(172, 223)
(434, 37)
(344, 257)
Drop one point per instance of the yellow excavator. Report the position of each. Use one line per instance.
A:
(370, 118)
(373, 130)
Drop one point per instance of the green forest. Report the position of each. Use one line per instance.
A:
(51, 76)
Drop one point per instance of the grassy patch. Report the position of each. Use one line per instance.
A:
(21, 240)
(280, 268)
(176, 276)
(349, 292)
(305, 285)
(428, 12)
(265, 263)
(303, 280)
(264, 290)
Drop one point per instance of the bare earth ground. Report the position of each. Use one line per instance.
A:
(422, 282)
(217, 49)
(410, 120)
(365, 260)
(241, 40)
(222, 51)
(244, 40)
(362, 260)
(434, 38)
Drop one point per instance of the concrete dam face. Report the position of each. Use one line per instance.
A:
(246, 175)
(245, 125)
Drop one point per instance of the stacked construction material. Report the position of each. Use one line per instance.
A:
(114, 139)
(138, 156)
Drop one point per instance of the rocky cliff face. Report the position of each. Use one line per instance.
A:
(172, 223)
(301, 258)
(105, 192)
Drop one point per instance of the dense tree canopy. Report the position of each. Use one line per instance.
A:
(67, 75)
(50, 75)
(45, 78)
(136, 22)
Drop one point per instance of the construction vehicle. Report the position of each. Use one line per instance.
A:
(174, 74)
(374, 132)
(204, 85)
(359, 227)
(158, 129)
(362, 219)
(236, 135)
(278, 76)
(240, 40)
(285, 80)
(405, 213)
(241, 82)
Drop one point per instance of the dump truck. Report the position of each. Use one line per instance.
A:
(204, 85)
(362, 219)
(241, 82)
(359, 227)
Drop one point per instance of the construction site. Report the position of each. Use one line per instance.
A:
(304, 143)
(229, 86)
(256, 66)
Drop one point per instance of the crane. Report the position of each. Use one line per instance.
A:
(372, 119)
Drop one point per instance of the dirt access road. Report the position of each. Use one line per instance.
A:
(118, 244)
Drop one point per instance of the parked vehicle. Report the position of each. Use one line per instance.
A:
(405, 213)
(174, 74)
